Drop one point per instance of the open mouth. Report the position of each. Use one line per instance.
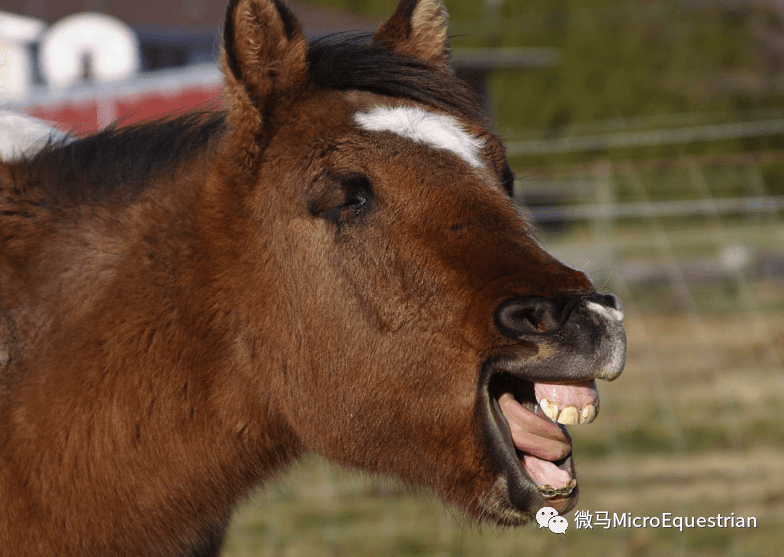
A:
(529, 439)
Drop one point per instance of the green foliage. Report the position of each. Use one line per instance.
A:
(622, 59)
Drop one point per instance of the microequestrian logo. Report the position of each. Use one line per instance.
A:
(558, 525)
(548, 516)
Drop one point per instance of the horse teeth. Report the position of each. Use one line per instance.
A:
(588, 414)
(549, 408)
(569, 416)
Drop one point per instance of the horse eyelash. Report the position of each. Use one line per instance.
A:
(508, 180)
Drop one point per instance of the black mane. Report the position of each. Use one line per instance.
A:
(121, 162)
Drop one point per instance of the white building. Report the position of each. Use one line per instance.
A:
(17, 34)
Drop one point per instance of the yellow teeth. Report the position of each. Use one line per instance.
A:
(588, 414)
(549, 408)
(569, 415)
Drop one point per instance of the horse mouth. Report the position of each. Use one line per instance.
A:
(531, 447)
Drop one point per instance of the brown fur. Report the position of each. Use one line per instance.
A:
(163, 353)
(417, 28)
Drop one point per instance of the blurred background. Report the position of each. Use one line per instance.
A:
(647, 137)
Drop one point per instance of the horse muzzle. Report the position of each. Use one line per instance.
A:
(539, 383)
(563, 339)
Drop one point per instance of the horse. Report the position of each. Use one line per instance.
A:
(333, 263)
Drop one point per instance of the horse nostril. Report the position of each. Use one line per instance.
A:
(525, 315)
(607, 300)
(606, 304)
(613, 302)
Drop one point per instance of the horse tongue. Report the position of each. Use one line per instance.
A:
(533, 434)
(542, 441)
(544, 472)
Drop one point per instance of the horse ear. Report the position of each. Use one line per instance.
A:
(264, 64)
(417, 28)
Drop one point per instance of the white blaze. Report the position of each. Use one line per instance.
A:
(430, 128)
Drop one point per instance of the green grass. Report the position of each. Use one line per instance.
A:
(367, 524)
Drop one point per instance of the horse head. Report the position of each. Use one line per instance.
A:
(397, 302)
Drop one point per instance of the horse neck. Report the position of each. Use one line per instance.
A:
(137, 351)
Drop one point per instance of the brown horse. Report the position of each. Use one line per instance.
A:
(333, 265)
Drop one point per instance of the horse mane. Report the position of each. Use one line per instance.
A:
(121, 162)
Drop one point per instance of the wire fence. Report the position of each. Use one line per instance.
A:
(695, 419)
(646, 138)
(720, 222)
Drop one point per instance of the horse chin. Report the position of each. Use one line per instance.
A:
(520, 488)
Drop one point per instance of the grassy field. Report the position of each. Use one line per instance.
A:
(693, 427)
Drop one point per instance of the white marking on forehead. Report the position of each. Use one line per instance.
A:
(433, 129)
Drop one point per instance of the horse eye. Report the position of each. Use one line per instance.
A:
(346, 198)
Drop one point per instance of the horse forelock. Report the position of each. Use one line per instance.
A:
(346, 61)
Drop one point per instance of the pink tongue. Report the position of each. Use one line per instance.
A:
(534, 434)
(578, 395)
(544, 472)
(541, 439)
